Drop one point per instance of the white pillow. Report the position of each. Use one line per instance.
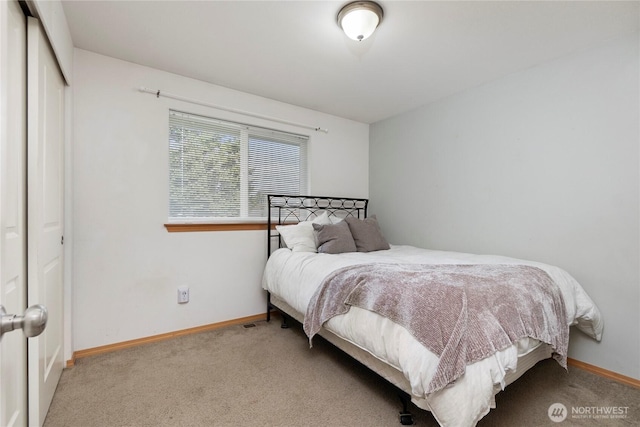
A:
(301, 237)
(335, 219)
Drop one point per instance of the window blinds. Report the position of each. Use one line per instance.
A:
(220, 169)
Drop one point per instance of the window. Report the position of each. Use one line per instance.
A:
(224, 170)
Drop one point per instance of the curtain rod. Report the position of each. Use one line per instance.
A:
(158, 93)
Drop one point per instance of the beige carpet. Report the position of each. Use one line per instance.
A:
(267, 376)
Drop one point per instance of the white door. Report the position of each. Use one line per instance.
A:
(45, 139)
(13, 239)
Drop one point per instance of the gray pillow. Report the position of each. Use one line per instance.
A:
(366, 234)
(334, 238)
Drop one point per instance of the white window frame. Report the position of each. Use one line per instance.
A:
(245, 131)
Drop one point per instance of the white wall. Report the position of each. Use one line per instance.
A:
(127, 267)
(542, 165)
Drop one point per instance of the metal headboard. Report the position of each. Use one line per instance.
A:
(287, 209)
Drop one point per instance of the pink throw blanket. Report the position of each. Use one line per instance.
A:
(461, 313)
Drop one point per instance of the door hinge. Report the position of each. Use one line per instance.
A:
(62, 240)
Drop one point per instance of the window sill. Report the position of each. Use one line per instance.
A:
(191, 227)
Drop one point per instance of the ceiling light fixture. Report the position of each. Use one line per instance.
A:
(360, 19)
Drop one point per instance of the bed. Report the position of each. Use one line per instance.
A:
(436, 356)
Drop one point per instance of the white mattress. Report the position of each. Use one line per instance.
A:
(294, 277)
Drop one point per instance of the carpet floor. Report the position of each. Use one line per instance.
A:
(268, 376)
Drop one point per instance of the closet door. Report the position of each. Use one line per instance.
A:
(13, 236)
(45, 172)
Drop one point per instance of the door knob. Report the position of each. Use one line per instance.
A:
(32, 322)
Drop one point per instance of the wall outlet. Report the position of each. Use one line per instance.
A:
(183, 294)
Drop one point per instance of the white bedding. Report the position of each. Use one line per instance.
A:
(295, 276)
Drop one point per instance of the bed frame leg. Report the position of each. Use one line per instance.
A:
(285, 322)
(406, 417)
(269, 307)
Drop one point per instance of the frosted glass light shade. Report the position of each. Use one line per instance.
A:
(360, 19)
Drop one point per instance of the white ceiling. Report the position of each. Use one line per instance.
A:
(294, 51)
